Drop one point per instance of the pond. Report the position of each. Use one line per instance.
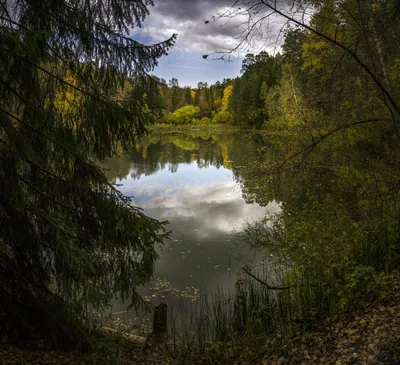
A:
(204, 185)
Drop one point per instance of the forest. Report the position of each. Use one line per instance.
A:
(313, 128)
(242, 101)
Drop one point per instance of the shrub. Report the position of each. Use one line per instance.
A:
(223, 117)
(184, 115)
(205, 121)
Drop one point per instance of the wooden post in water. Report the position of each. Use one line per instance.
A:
(160, 328)
(160, 319)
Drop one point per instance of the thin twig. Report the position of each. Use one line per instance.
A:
(269, 287)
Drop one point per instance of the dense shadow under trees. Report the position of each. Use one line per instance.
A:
(72, 90)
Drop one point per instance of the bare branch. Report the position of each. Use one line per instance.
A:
(269, 287)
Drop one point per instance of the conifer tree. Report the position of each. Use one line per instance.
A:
(68, 239)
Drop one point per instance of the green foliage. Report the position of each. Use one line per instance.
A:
(73, 89)
(247, 101)
(207, 97)
(184, 115)
(203, 121)
(222, 117)
(242, 101)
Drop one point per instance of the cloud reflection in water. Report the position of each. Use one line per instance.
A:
(208, 194)
(205, 208)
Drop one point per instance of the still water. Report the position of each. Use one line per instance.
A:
(198, 183)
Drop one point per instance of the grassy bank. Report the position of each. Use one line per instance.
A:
(259, 322)
(163, 127)
(368, 335)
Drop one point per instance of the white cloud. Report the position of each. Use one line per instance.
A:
(217, 207)
(187, 19)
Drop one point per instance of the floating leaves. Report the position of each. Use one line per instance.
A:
(163, 289)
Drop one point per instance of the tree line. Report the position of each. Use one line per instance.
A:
(240, 101)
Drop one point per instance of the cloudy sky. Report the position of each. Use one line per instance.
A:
(195, 38)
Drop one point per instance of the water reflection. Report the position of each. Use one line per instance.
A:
(195, 187)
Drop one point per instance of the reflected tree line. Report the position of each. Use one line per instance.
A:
(247, 155)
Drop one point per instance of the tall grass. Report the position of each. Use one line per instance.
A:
(222, 328)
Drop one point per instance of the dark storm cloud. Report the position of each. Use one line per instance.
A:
(187, 19)
(199, 10)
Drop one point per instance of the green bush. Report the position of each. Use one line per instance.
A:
(205, 121)
(222, 117)
(184, 115)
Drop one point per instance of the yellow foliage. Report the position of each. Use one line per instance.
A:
(315, 55)
(68, 98)
(225, 156)
(225, 100)
(144, 153)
